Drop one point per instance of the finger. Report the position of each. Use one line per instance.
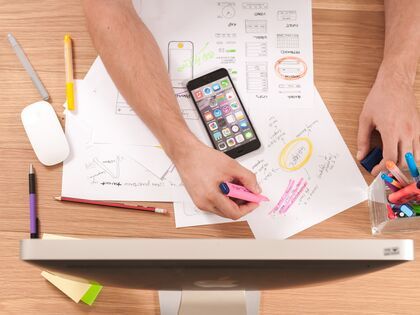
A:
(227, 207)
(247, 178)
(389, 152)
(404, 147)
(363, 137)
(416, 149)
(247, 208)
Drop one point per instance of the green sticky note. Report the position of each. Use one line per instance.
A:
(91, 294)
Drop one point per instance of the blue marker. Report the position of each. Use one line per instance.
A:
(412, 166)
(390, 180)
(405, 209)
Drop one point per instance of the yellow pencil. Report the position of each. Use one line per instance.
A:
(68, 58)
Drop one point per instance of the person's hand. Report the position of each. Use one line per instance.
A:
(202, 169)
(390, 108)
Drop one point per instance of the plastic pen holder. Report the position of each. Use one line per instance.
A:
(380, 223)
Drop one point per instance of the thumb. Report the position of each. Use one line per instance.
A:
(247, 179)
(363, 137)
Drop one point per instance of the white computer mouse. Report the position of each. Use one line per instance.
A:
(45, 133)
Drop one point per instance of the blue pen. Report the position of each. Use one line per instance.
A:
(414, 171)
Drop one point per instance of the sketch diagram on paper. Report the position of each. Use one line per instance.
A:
(287, 15)
(295, 154)
(256, 77)
(256, 49)
(255, 5)
(227, 10)
(121, 106)
(101, 171)
(256, 26)
(288, 41)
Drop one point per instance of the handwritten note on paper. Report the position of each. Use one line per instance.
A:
(305, 170)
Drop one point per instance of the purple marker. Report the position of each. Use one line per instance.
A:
(32, 204)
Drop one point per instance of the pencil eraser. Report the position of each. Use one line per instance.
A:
(372, 159)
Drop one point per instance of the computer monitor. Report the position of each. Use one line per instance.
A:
(191, 265)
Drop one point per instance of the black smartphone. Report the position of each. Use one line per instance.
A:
(223, 114)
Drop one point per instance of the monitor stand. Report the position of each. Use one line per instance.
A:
(209, 302)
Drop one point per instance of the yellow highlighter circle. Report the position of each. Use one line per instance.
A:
(180, 45)
(296, 154)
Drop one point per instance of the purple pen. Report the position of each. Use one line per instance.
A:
(32, 204)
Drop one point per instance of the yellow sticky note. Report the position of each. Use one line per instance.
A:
(74, 287)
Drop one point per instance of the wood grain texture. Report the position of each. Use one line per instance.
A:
(348, 42)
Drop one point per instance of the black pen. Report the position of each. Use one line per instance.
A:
(33, 219)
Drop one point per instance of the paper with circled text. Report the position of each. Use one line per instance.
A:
(305, 169)
(265, 45)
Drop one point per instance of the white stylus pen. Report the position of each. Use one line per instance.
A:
(28, 67)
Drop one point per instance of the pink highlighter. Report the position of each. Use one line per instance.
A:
(407, 194)
(240, 192)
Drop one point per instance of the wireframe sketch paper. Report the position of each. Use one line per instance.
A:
(306, 170)
(110, 171)
(266, 45)
(267, 48)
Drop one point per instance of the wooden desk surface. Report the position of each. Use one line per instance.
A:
(348, 42)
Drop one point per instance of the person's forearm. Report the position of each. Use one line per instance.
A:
(402, 39)
(133, 60)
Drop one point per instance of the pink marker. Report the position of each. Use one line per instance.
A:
(408, 193)
(240, 192)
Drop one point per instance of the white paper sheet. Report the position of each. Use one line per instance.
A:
(110, 171)
(306, 170)
(187, 214)
(267, 47)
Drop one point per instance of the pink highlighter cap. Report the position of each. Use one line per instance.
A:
(240, 192)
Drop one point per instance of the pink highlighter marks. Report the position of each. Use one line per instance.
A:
(240, 192)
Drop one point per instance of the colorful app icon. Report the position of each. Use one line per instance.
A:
(207, 90)
(230, 142)
(248, 135)
(234, 105)
(217, 136)
(198, 95)
(239, 138)
(221, 122)
(235, 128)
(243, 124)
(215, 87)
(230, 119)
(239, 115)
(224, 83)
(208, 116)
(230, 96)
(226, 109)
(217, 113)
(213, 103)
(213, 126)
(222, 146)
(226, 132)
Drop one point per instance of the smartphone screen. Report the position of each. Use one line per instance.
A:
(223, 114)
(180, 63)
